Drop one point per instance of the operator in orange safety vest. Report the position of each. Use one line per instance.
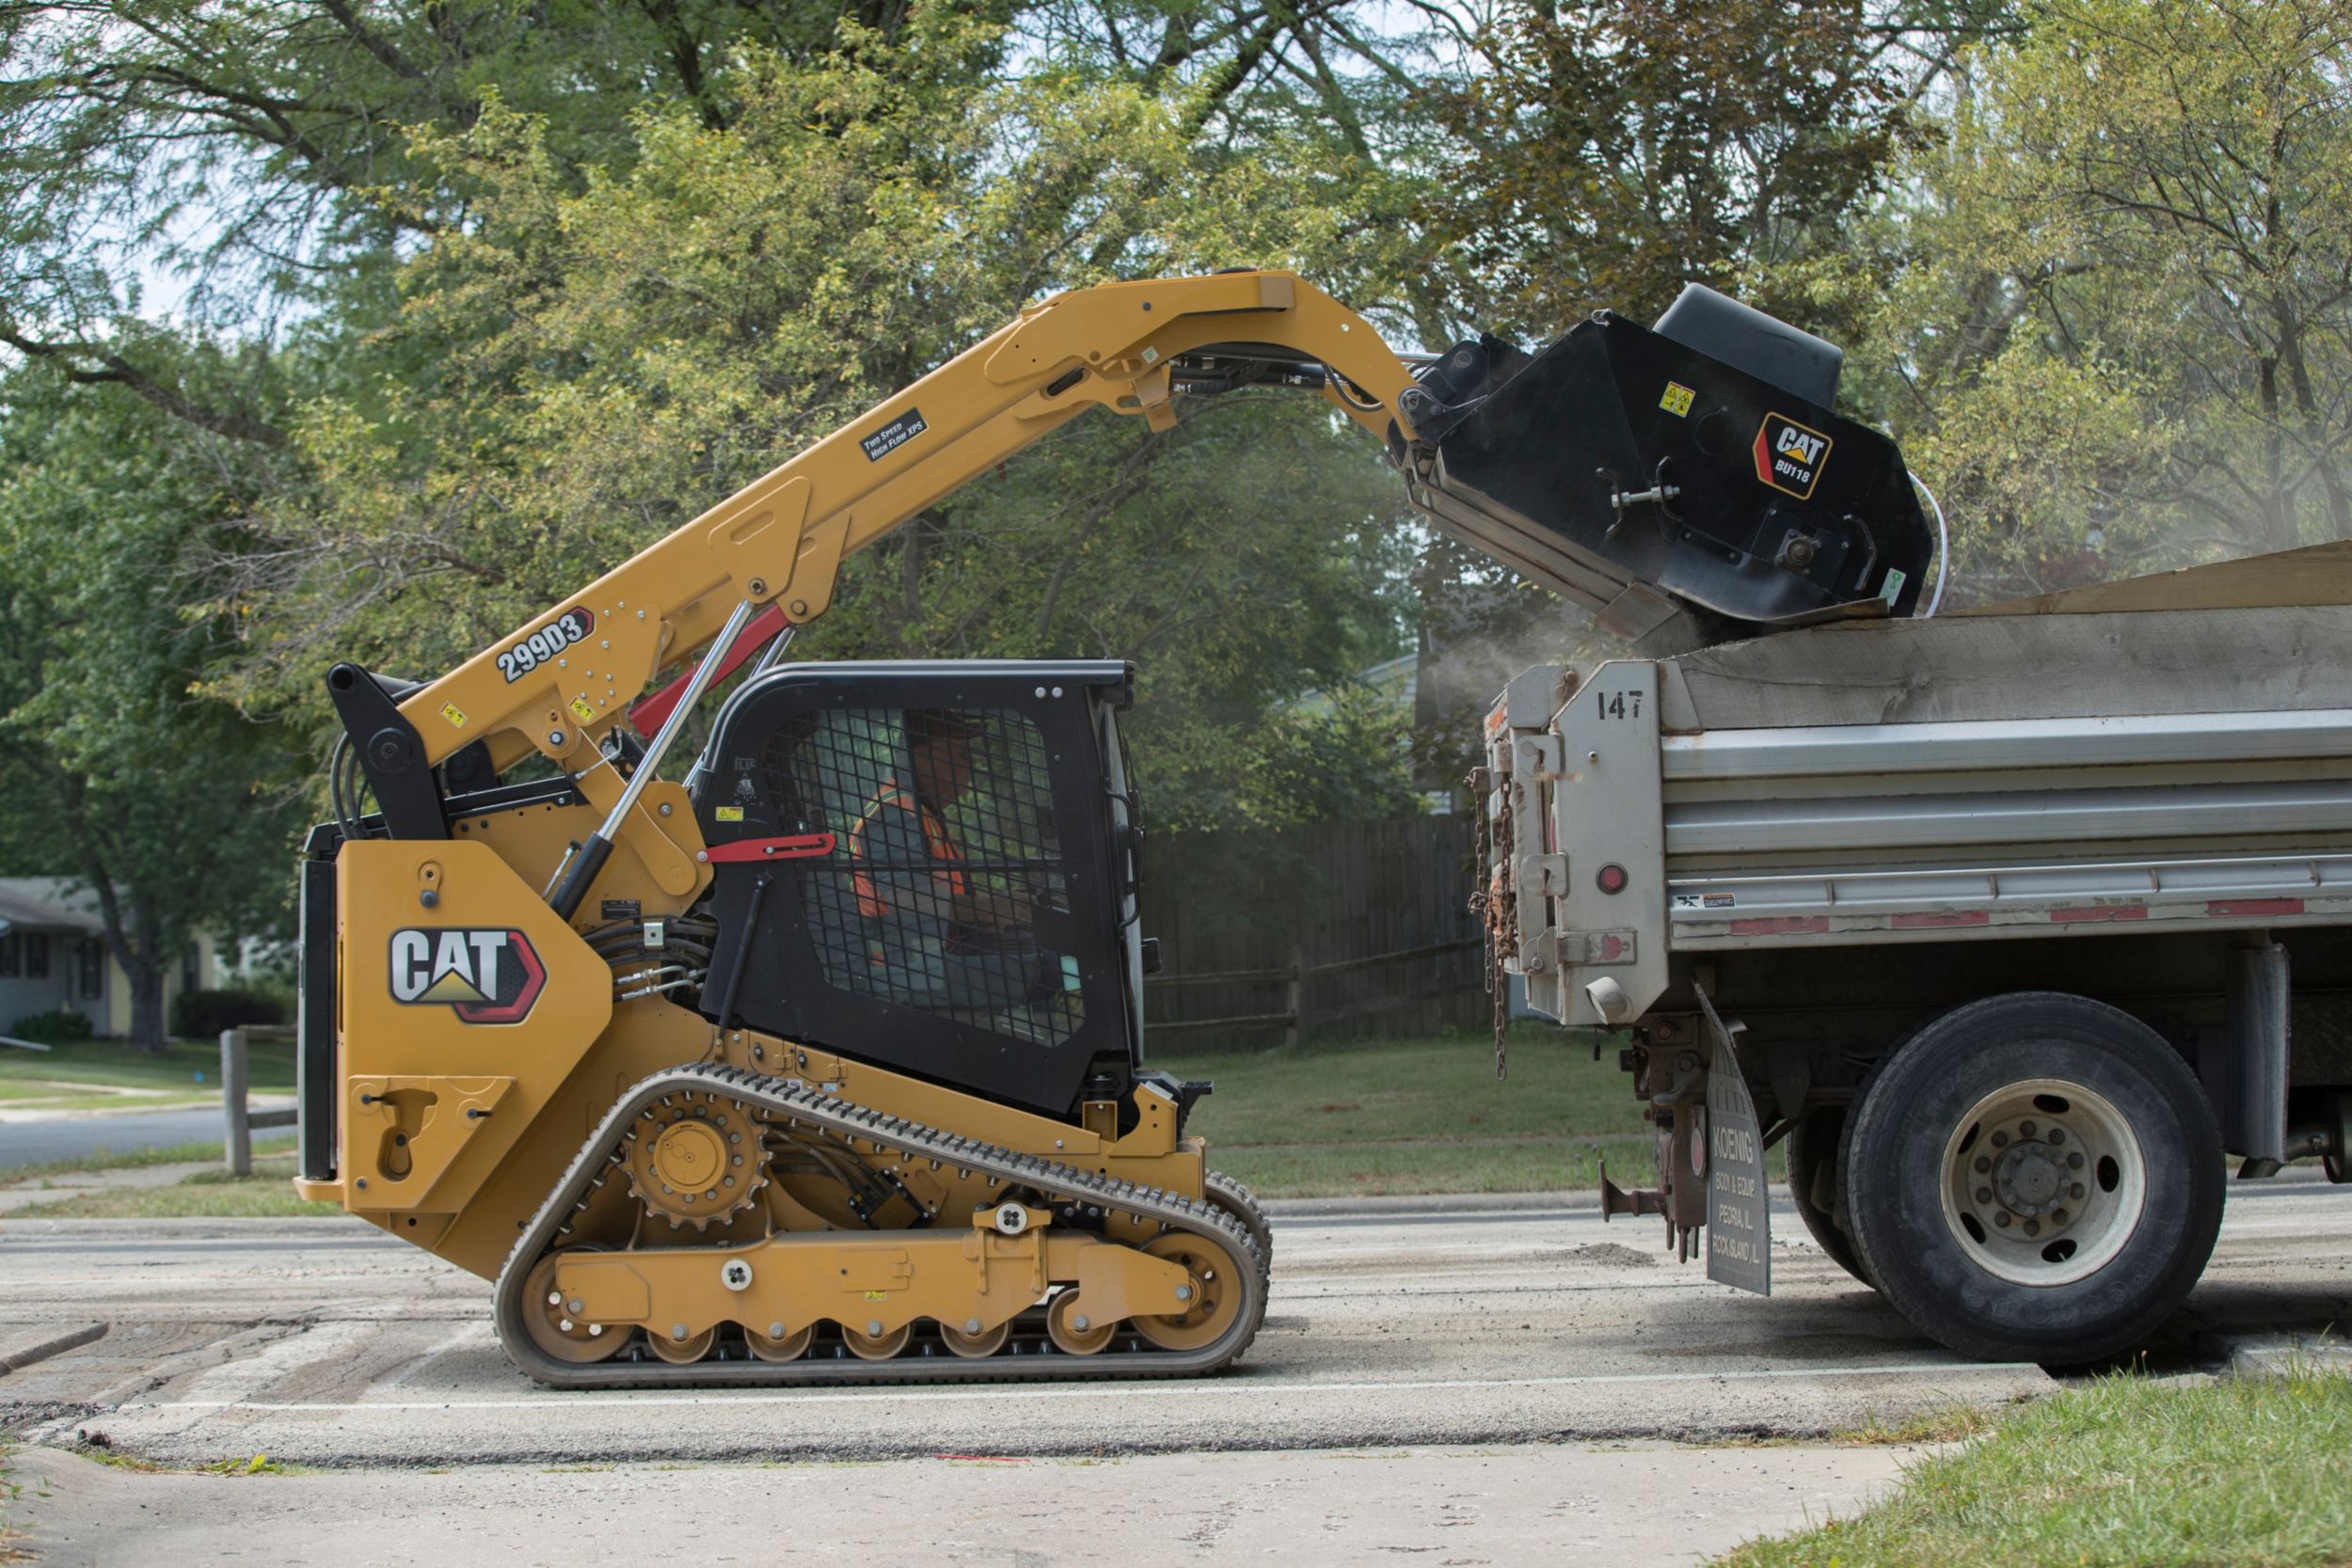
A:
(929, 938)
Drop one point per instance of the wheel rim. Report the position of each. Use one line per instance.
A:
(551, 1327)
(1061, 1326)
(972, 1346)
(1215, 1298)
(877, 1347)
(779, 1346)
(2045, 1182)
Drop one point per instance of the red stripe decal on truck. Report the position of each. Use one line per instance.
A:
(2254, 906)
(1781, 926)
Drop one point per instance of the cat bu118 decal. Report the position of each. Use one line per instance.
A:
(1790, 456)
(483, 975)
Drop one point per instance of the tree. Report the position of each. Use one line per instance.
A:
(1609, 153)
(114, 768)
(2117, 337)
(609, 361)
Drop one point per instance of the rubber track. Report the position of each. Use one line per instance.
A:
(795, 1101)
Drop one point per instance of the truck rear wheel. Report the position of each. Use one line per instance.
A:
(2034, 1178)
(1815, 1176)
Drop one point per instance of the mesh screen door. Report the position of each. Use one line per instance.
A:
(950, 906)
(945, 855)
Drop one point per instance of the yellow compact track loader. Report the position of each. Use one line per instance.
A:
(824, 1063)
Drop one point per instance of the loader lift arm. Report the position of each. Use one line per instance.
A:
(1539, 461)
(776, 546)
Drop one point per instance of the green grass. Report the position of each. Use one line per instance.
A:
(267, 1193)
(2122, 1473)
(269, 1067)
(1360, 1118)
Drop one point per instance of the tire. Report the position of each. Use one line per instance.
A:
(2079, 1124)
(1814, 1182)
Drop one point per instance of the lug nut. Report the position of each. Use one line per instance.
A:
(2000, 1140)
(1984, 1195)
(2058, 1216)
(2073, 1162)
(873, 1328)
(2033, 1227)
(573, 1306)
(2074, 1190)
(971, 1326)
(2057, 1134)
(1183, 1293)
(677, 1331)
(775, 1331)
(1983, 1165)
(2025, 1130)
(1078, 1322)
(2001, 1219)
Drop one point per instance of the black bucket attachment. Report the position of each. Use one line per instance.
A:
(1694, 474)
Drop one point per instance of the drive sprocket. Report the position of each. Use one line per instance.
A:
(695, 1158)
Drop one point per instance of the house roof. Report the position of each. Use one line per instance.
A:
(48, 904)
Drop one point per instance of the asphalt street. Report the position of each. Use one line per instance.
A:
(77, 1138)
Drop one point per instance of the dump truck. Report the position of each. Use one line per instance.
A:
(2006, 927)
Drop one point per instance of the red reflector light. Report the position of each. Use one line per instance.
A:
(1612, 878)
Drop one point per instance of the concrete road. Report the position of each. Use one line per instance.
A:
(325, 1343)
(80, 1135)
(1460, 1384)
(1571, 1506)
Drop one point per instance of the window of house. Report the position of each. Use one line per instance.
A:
(93, 970)
(12, 954)
(37, 955)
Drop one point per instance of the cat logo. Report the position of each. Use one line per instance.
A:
(1789, 456)
(485, 976)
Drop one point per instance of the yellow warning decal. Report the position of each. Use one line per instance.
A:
(455, 714)
(586, 709)
(1677, 400)
(878, 1295)
(730, 814)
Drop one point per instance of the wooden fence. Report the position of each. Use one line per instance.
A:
(1334, 930)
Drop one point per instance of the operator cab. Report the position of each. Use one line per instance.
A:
(931, 866)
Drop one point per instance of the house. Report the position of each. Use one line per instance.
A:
(54, 958)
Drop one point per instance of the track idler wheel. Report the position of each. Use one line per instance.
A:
(681, 1353)
(1216, 1293)
(1072, 1330)
(973, 1341)
(872, 1346)
(554, 1330)
(777, 1345)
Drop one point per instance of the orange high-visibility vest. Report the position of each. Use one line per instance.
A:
(869, 900)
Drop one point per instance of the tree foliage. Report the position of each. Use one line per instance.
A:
(171, 807)
(2117, 335)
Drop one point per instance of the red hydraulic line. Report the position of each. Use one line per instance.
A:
(650, 711)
